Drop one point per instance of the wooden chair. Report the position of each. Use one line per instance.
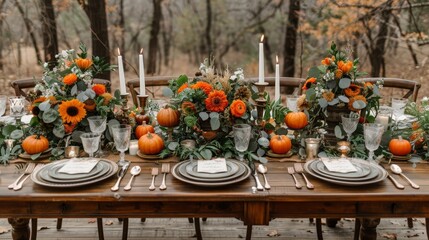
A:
(21, 87)
(152, 85)
(286, 84)
(410, 87)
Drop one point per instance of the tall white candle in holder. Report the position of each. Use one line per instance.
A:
(277, 81)
(261, 60)
(122, 87)
(141, 74)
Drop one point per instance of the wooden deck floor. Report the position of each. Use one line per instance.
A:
(215, 228)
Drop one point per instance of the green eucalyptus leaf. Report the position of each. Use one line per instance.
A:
(344, 83)
(35, 156)
(167, 92)
(338, 132)
(334, 102)
(173, 145)
(76, 136)
(82, 97)
(322, 154)
(323, 103)
(59, 131)
(359, 104)
(50, 115)
(73, 91)
(228, 155)
(182, 79)
(214, 115)
(203, 115)
(263, 160)
(206, 154)
(343, 99)
(264, 134)
(214, 123)
(310, 94)
(8, 129)
(281, 131)
(44, 105)
(264, 142)
(331, 84)
(260, 152)
(16, 134)
(34, 121)
(314, 72)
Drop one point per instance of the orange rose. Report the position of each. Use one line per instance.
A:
(206, 87)
(181, 88)
(99, 89)
(83, 63)
(238, 108)
(326, 61)
(70, 79)
(352, 90)
(345, 67)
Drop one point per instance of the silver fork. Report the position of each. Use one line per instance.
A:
(291, 171)
(165, 169)
(29, 169)
(154, 174)
(299, 169)
(19, 185)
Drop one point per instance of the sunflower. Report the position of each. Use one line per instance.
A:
(181, 88)
(206, 87)
(308, 83)
(70, 79)
(216, 101)
(72, 111)
(238, 108)
(352, 90)
(354, 99)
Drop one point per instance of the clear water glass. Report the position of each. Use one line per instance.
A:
(291, 102)
(373, 133)
(17, 107)
(97, 124)
(122, 137)
(90, 142)
(350, 122)
(3, 101)
(241, 138)
(398, 106)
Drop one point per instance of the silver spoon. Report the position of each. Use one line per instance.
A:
(397, 170)
(263, 169)
(134, 172)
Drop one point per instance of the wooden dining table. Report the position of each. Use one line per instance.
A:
(238, 200)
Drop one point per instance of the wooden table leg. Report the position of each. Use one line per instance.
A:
(368, 230)
(20, 228)
(249, 232)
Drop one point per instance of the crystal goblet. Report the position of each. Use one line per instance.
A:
(122, 137)
(241, 138)
(97, 124)
(90, 142)
(350, 122)
(17, 107)
(3, 100)
(398, 105)
(373, 133)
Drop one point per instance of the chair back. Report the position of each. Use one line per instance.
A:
(286, 83)
(408, 88)
(153, 85)
(23, 86)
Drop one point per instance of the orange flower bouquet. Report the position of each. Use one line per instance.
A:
(66, 96)
(209, 105)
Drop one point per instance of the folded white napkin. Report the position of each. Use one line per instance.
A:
(216, 165)
(341, 165)
(78, 166)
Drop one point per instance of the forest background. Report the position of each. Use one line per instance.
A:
(390, 37)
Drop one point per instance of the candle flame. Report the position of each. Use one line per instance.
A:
(277, 59)
(141, 51)
(119, 52)
(262, 38)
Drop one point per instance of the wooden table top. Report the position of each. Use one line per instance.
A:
(283, 188)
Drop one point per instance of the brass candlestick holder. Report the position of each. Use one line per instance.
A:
(125, 109)
(142, 103)
(261, 102)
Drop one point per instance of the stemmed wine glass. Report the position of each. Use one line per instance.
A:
(122, 137)
(398, 105)
(17, 107)
(97, 124)
(350, 122)
(372, 133)
(3, 100)
(241, 138)
(90, 142)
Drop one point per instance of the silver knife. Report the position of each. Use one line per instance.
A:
(121, 174)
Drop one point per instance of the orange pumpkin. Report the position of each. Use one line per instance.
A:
(143, 129)
(280, 144)
(296, 120)
(35, 144)
(150, 144)
(399, 147)
(168, 117)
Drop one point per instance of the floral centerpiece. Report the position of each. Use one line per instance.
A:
(332, 88)
(209, 105)
(67, 95)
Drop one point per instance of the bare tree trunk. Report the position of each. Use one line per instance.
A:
(96, 11)
(268, 55)
(49, 29)
(153, 41)
(208, 28)
(376, 55)
(289, 49)
(122, 24)
(28, 26)
(166, 30)
(2, 2)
